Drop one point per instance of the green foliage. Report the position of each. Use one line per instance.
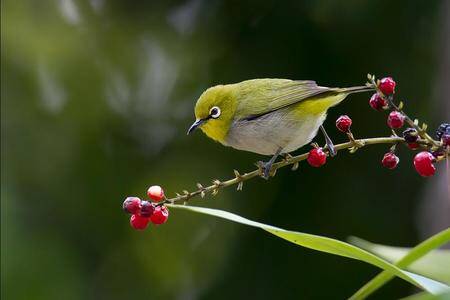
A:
(426, 296)
(331, 246)
(434, 264)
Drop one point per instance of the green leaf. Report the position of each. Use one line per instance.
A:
(327, 245)
(413, 255)
(435, 264)
(427, 296)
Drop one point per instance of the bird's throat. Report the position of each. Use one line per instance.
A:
(216, 130)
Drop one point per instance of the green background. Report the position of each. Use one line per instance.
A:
(96, 100)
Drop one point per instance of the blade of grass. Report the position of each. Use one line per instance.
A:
(435, 264)
(417, 252)
(427, 296)
(327, 245)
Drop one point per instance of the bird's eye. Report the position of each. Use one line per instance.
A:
(214, 112)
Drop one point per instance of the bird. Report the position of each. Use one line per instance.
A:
(268, 116)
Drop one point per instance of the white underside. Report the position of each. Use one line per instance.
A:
(268, 133)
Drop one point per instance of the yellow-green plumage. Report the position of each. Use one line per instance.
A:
(263, 115)
(224, 97)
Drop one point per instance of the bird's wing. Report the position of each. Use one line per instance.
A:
(261, 96)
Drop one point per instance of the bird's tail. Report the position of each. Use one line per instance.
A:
(339, 94)
(356, 89)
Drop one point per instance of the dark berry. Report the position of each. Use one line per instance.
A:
(395, 119)
(138, 222)
(438, 152)
(387, 86)
(343, 123)
(132, 205)
(423, 162)
(160, 215)
(147, 209)
(377, 103)
(410, 135)
(156, 193)
(390, 160)
(443, 129)
(316, 157)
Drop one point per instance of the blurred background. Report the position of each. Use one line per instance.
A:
(96, 98)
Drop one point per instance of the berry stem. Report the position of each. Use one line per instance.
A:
(411, 123)
(390, 99)
(289, 160)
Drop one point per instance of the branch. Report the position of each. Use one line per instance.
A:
(239, 179)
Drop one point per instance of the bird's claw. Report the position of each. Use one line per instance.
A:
(264, 169)
(329, 143)
(332, 150)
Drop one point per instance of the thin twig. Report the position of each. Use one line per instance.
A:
(290, 160)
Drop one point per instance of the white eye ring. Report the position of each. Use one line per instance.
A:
(214, 112)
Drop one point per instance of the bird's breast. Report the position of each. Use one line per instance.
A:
(283, 128)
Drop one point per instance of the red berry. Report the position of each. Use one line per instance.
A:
(413, 146)
(155, 192)
(132, 205)
(390, 160)
(316, 157)
(160, 215)
(377, 103)
(147, 209)
(446, 140)
(423, 162)
(387, 86)
(395, 119)
(343, 123)
(138, 222)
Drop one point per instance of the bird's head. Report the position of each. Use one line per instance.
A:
(214, 112)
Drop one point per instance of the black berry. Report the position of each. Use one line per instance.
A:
(410, 135)
(443, 129)
(147, 209)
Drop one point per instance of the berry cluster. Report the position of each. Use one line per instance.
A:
(143, 212)
(423, 161)
(383, 100)
(386, 88)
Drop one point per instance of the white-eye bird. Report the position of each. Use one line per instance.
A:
(267, 116)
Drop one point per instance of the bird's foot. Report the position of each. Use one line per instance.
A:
(329, 142)
(265, 169)
(331, 149)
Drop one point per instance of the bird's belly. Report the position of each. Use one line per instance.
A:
(279, 129)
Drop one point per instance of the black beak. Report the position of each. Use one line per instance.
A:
(196, 124)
